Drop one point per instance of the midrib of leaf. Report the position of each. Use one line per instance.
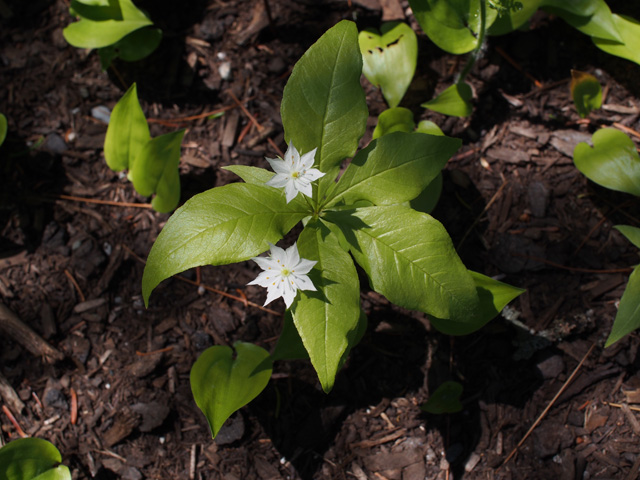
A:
(330, 97)
(397, 253)
(388, 170)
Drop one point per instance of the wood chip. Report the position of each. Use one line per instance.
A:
(9, 395)
(635, 425)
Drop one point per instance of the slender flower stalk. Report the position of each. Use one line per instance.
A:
(294, 173)
(284, 273)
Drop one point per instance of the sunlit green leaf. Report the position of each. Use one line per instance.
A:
(409, 259)
(396, 119)
(31, 458)
(323, 104)
(428, 127)
(223, 225)
(446, 399)
(97, 34)
(628, 317)
(512, 20)
(255, 175)
(454, 101)
(127, 133)
(390, 57)
(629, 29)
(155, 171)
(327, 319)
(453, 25)
(97, 10)
(395, 168)
(222, 382)
(586, 92)
(612, 162)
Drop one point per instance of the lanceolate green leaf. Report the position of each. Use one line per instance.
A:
(410, 259)
(223, 225)
(512, 20)
(327, 318)
(493, 296)
(591, 17)
(394, 168)
(631, 233)
(323, 104)
(97, 11)
(453, 25)
(586, 92)
(127, 133)
(254, 175)
(629, 29)
(138, 44)
(155, 171)
(628, 318)
(390, 58)
(454, 100)
(222, 384)
(96, 34)
(612, 162)
(31, 458)
(397, 119)
(289, 346)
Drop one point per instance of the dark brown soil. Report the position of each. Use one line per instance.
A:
(513, 202)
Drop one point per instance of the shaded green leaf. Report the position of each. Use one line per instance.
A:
(586, 92)
(155, 171)
(511, 20)
(428, 199)
(289, 346)
(628, 317)
(453, 25)
(629, 30)
(97, 11)
(323, 104)
(631, 233)
(389, 58)
(493, 296)
(328, 318)
(222, 383)
(454, 100)
(29, 458)
(395, 168)
(127, 133)
(220, 226)
(3, 128)
(410, 259)
(612, 162)
(591, 17)
(446, 399)
(138, 44)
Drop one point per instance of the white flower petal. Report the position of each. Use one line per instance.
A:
(265, 278)
(292, 156)
(272, 294)
(293, 257)
(313, 174)
(278, 180)
(289, 293)
(308, 159)
(290, 190)
(303, 282)
(266, 263)
(278, 255)
(304, 266)
(279, 166)
(303, 186)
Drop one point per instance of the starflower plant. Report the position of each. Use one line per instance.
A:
(365, 217)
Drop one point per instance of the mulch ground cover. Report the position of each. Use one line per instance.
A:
(113, 394)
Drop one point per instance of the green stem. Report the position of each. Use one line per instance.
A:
(477, 52)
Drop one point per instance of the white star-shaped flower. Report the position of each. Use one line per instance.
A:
(284, 274)
(294, 172)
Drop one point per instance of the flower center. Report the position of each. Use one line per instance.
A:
(285, 272)
(295, 174)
